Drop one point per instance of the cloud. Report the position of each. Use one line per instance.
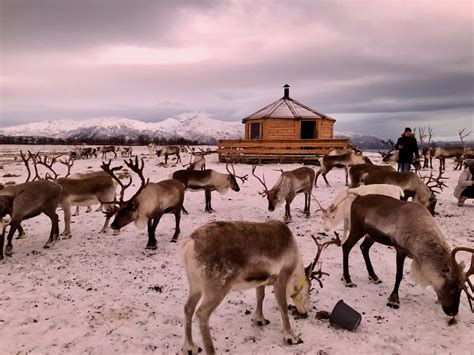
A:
(149, 59)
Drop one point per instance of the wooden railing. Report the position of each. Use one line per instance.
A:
(250, 150)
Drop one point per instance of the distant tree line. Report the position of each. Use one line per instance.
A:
(118, 140)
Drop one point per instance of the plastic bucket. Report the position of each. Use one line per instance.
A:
(345, 316)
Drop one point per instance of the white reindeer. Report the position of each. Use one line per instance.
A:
(340, 209)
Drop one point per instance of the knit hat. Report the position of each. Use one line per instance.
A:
(407, 129)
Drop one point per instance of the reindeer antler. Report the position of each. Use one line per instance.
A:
(111, 171)
(316, 275)
(25, 160)
(138, 169)
(467, 274)
(265, 191)
(69, 163)
(242, 178)
(434, 183)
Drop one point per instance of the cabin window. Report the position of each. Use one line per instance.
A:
(255, 131)
(308, 130)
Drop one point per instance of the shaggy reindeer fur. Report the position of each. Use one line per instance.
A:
(223, 256)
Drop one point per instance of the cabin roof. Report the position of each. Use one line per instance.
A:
(289, 108)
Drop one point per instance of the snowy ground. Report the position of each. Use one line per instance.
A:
(103, 294)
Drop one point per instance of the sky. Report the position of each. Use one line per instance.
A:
(375, 66)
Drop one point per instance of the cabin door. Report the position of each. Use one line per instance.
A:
(308, 129)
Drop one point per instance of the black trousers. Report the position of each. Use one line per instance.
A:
(468, 192)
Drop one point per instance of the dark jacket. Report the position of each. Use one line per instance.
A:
(407, 146)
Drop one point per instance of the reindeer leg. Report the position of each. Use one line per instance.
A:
(2, 242)
(67, 220)
(308, 199)
(77, 211)
(211, 299)
(15, 222)
(365, 247)
(324, 176)
(347, 175)
(353, 238)
(177, 216)
(106, 225)
(257, 316)
(184, 210)
(280, 295)
(393, 300)
(193, 298)
(316, 177)
(21, 232)
(54, 234)
(207, 195)
(151, 231)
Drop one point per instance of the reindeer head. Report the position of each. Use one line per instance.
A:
(273, 195)
(232, 178)
(125, 211)
(454, 281)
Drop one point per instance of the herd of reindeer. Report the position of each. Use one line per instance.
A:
(230, 255)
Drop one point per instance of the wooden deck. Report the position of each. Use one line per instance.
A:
(253, 151)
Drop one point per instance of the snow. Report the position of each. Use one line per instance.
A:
(104, 293)
(191, 125)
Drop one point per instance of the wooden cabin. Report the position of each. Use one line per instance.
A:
(285, 130)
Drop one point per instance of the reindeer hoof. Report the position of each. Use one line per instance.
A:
(8, 251)
(174, 240)
(295, 341)
(262, 323)
(349, 283)
(375, 280)
(393, 305)
(152, 247)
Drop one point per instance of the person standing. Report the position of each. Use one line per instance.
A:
(465, 186)
(406, 146)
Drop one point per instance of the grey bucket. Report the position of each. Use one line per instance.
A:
(345, 316)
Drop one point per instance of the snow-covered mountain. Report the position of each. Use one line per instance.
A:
(195, 126)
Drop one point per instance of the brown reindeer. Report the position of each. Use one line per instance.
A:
(168, 150)
(288, 185)
(209, 180)
(411, 230)
(223, 256)
(411, 184)
(328, 162)
(27, 200)
(356, 172)
(149, 203)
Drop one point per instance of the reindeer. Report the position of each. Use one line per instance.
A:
(82, 176)
(107, 149)
(411, 184)
(350, 149)
(27, 200)
(328, 162)
(199, 161)
(169, 150)
(89, 190)
(288, 185)
(223, 256)
(85, 191)
(391, 157)
(426, 148)
(126, 152)
(340, 209)
(356, 171)
(149, 203)
(411, 230)
(209, 180)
